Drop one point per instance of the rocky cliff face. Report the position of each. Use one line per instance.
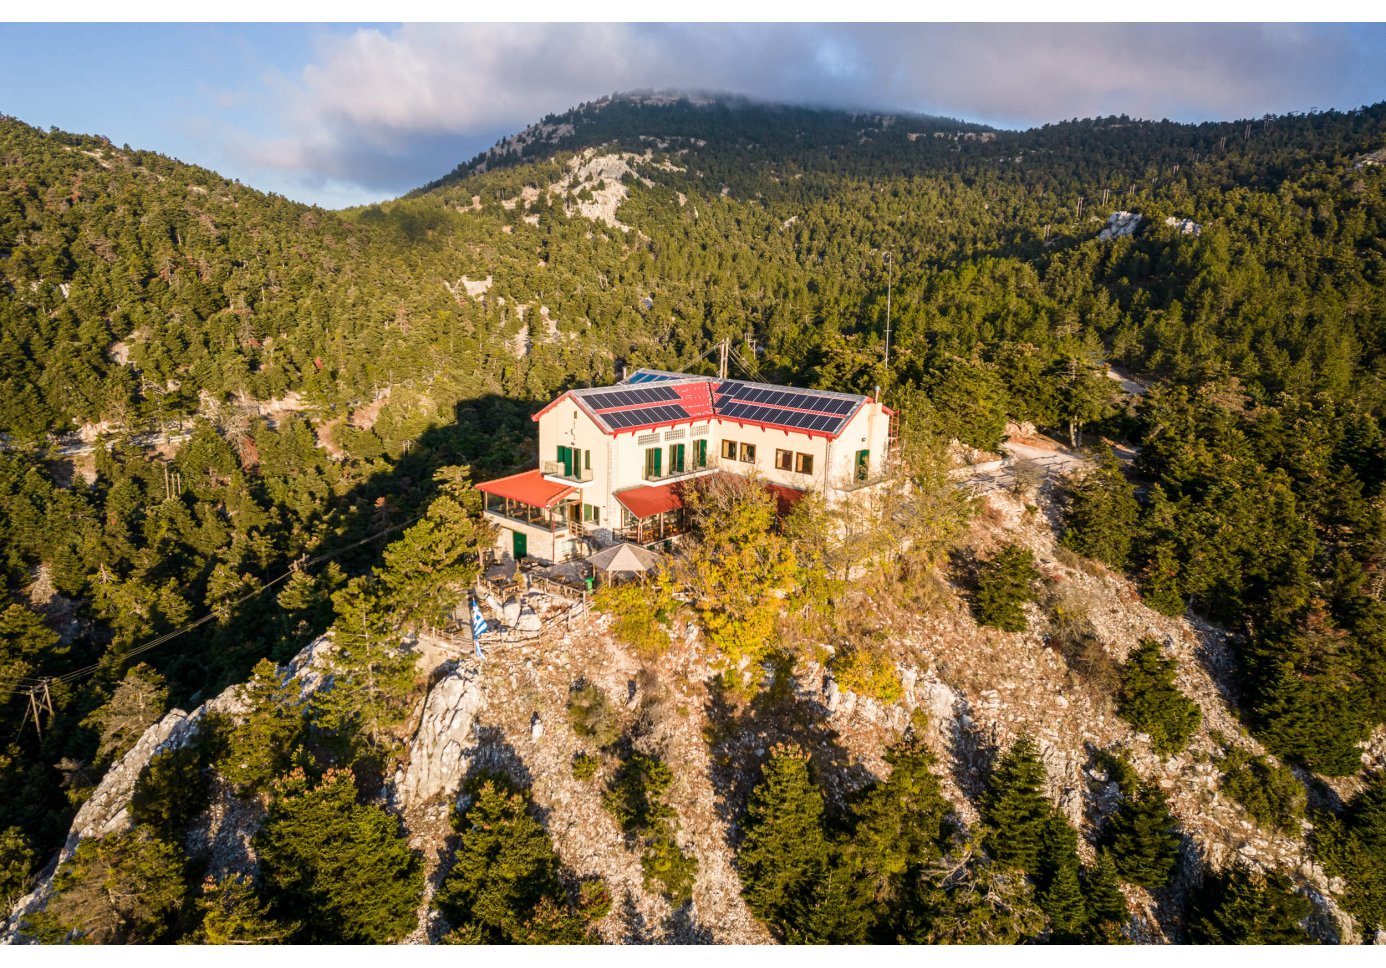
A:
(981, 689)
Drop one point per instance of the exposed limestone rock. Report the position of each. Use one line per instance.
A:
(1186, 226)
(1119, 224)
(437, 761)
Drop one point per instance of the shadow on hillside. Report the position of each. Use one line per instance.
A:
(973, 750)
(742, 735)
(492, 434)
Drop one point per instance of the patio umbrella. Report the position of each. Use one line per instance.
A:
(624, 560)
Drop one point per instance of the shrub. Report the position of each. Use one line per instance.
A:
(639, 611)
(1005, 583)
(16, 859)
(591, 715)
(669, 870)
(1270, 794)
(1149, 700)
(635, 794)
(585, 767)
(868, 672)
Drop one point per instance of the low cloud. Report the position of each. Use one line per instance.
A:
(387, 109)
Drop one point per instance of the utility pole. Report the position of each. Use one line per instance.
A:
(890, 269)
(722, 349)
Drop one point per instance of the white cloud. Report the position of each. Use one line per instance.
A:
(387, 109)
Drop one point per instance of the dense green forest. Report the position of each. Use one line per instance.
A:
(278, 392)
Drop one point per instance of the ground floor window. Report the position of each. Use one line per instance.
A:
(591, 514)
(803, 463)
(784, 460)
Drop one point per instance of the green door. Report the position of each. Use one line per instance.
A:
(519, 544)
(699, 453)
(676, 458)
(565, 454)
(653, 456)
(863, 464)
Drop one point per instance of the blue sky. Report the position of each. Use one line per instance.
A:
(342, 114)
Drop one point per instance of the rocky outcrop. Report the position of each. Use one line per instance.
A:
(222, 834)
(437, 754)
(1184, 226)
(1119, 224)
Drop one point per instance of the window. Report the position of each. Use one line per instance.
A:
(676, 456)
(803, 463)
(700, 430)
(587, 460)
(674, 434)
(591, 514)
(644, 439)
(699, 454)
(784, 460)
(729, 449)
(653, 463)
(863, 464)
(748, 453)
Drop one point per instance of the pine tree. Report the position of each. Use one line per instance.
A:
(782, 856)
(1005, 584)
(1144, 838)
(233, 914)
(1102, 516)
(1240, 906)
(1150, 701)
(438, 555)
(341, 869)
(900, 825)
(138, 703)
(125, 888)
(1058, 889)
(1015, 809)
(373, 678)
(1106, 905)
(261, 747)
(503, 885)
(16, 860)
(1353, 847)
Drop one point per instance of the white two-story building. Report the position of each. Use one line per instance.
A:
(612, 459)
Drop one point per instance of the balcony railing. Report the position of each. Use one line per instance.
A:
(557, 469)
(667, 474)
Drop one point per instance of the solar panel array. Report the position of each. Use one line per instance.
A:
(783, 407)
(642, 376)
(623, 419)
(617, 399)
(644, 405)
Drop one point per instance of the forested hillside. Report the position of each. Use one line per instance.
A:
(206, 389)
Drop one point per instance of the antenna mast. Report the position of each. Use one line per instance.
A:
(889, 278)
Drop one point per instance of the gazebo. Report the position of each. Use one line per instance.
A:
(624, 561)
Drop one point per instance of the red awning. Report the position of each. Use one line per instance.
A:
(528, 488)
(646, 502)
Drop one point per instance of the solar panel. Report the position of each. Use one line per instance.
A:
(838, 406)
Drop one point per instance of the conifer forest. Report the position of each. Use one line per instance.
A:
(1138, 699)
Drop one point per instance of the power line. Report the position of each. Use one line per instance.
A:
(33, 685)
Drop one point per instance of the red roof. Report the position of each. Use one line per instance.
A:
(528, 488)
(647, 501)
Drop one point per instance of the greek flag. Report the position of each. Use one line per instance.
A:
(478, 627)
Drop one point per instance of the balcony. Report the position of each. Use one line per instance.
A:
(558, 472)
(669, 475)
